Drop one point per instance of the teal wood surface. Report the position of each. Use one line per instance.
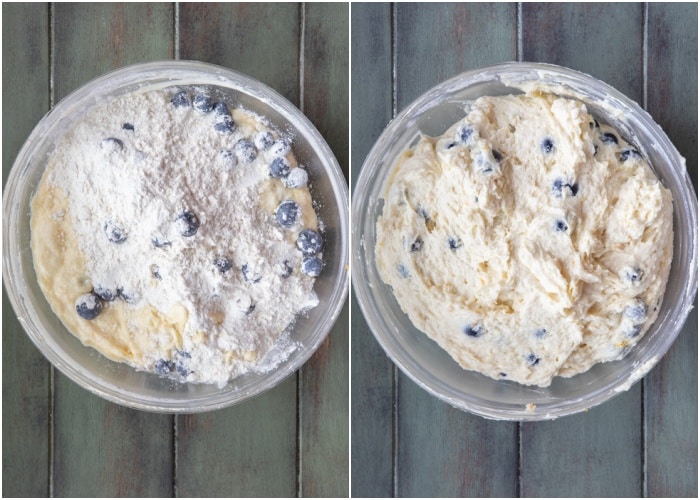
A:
(372, 372)
(641, 443)
(25, 373)
(59, 439)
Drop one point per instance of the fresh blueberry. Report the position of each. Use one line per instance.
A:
(287, 213)
(279, 168)
(203, 103)
(182, 370)
(105, 293)
(497, 156)
(223, 264)
(250, 275)
(474, 331)
(608, 138)
(417, 244)
(573, 188)
(88, 306)
(245, 150)
(628, 153)
(560, 226)
(311, 266)
(164, 366)
(224, 124)
(454, 243)
(532, 359)
(547, 145)
(297, 178)
(128, 126)
(403, 272)
(263, 140)
(220, 108)
(559, 185)
(280, 147)
(187, 223)
(633, 331)
(287, 269)
(181, 100)
(637, 311)
(633, 274)
(130, 297)
(464, 133)
(115, 232)
(309, 242)
(111, 145)
(540, 333)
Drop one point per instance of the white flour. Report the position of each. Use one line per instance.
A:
(139, 174)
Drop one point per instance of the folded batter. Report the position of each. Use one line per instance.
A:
(529, 241)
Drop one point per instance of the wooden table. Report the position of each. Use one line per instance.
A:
(407, 443)
(60, 440)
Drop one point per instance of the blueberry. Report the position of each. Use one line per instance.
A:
(115, 232)
(182, 370)
(263, 140)
(417, 244)
(464, 133)
(220, 108)
(628, 153)
(309, 242)
(155, 272)
(502, 374)
(474, 331)
(532, 359)
(608, 138)
(228, 157)
(128, 297)
(111, 145)
(297, 178)
(450, 145)
(573, 188)
(245, 151)
(187, 223)
(203, 103)
(250, 275)
(286, 269)
(634, 274)
(287, 213)
(559, 185)
(224, 124)
(311, 266)
(634, 331)
(497, 156)
(279, 167)
(181, 100)
(106, 294)
(485, 164)
(280, 147)
(540, 333)
(454, 243)
(637, 311)
(88, 306)
(250, 309)
(223, 264)
(403, 272)
(164, 366)
(160, 242)
(560, 226)
(128, 126)
(547, 145)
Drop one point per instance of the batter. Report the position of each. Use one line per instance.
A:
(529, 241)
(176, 233)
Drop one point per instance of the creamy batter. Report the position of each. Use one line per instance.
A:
(176, 233)
(529, 241)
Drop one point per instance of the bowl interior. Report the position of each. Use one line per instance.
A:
(422, 359)
(119, 382)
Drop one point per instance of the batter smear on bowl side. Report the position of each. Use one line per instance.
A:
(529, 241)
(177, 234)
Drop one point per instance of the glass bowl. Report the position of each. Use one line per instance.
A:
(423, 360)
(119, 382)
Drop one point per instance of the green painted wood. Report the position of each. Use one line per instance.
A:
(604, 444)
(324, 380)
(248, 450)
(252, 448)
(102, 449)
(671, 389)
(25, 372)
(443, 451)
(260, 40)
(372, 372)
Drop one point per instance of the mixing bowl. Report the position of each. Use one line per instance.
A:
(423, 360)
(118, 382)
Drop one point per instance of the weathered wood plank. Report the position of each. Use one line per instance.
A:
(443, 451)
(372, 372)
(671, 389)
(599, 452)
(324, 380)
(102, 449)
(25, 372)
(251, 448)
